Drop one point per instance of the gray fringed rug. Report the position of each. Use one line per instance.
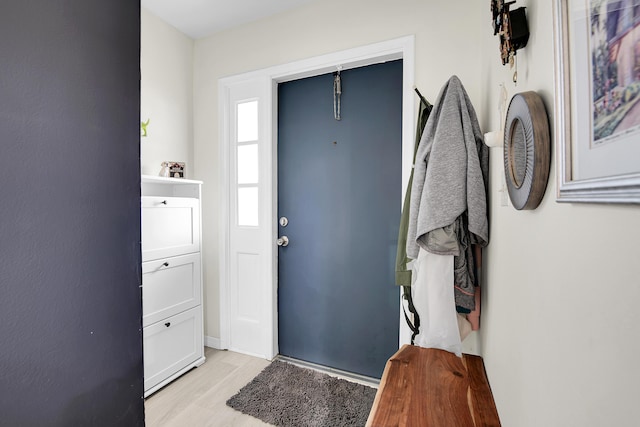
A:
(288, 396)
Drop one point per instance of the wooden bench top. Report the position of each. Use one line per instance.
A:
(427, 387)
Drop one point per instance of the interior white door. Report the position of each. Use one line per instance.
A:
(249, 201)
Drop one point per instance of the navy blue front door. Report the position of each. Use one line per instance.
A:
(339, 186)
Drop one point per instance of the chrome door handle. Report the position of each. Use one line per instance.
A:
(283, 241)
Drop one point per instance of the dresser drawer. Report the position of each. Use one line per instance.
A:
(170, 286)
(172, 344)
(170, 226)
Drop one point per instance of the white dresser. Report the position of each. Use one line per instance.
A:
(173, 334)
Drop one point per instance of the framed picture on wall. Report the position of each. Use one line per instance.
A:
(597, 84)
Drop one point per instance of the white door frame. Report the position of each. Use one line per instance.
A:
(400, 48)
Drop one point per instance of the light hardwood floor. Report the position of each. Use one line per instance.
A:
(198, 398)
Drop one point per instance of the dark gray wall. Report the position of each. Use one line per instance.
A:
(70, 302)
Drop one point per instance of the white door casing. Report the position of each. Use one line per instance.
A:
(248, 254)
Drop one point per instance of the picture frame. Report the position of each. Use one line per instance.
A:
(176, 169)
(597, 100)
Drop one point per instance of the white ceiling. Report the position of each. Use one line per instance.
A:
(201, 18)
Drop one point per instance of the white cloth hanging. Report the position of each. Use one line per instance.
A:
(433, 297)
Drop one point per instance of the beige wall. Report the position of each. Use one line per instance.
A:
(319, 28)
(166, 66)
(562, 282)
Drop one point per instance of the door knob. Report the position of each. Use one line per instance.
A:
(283, 241)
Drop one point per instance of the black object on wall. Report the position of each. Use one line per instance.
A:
(512, 27)
(70, 301)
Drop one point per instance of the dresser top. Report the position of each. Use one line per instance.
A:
(172, 181)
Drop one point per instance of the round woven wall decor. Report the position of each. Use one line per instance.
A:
(526, 150)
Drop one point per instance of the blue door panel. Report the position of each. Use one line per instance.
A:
(339, 184)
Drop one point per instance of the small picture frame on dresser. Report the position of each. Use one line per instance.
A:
(176, 169)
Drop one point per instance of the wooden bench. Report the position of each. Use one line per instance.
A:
(427, 387)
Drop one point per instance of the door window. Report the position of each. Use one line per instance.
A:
(247, 166)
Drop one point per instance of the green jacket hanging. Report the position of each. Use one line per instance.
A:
(403, 276)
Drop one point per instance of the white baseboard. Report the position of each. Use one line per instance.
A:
(212, 342)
